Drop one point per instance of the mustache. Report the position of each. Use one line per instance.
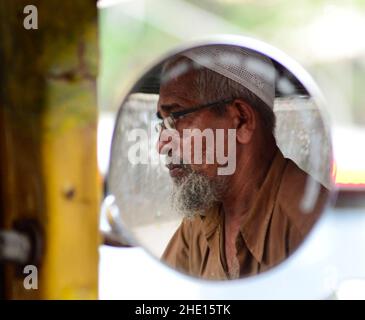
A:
(180, 165)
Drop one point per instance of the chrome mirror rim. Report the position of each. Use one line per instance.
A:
(292, 66)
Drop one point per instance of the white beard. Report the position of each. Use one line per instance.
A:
(195, 193)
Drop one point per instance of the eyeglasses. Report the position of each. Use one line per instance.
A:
(169, 121)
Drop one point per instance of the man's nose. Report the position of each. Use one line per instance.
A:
(168, 142)
(162, 144)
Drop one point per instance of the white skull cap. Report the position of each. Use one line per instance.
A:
(252, 70)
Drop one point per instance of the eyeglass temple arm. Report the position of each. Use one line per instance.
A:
(179, 114)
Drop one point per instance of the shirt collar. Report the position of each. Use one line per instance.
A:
(256, 221)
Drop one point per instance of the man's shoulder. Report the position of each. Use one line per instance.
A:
(300, 197)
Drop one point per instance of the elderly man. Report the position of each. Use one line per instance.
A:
(250, 220)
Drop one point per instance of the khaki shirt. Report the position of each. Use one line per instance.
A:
(270, 231)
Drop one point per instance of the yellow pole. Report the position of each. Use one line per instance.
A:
(48, 119)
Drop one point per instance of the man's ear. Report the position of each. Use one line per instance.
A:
(244, 121)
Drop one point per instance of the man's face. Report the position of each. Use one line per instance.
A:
(181, 94)
(196, 185)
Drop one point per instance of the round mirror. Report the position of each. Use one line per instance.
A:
(221, 159)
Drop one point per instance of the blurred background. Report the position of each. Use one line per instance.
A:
(323, 36)
(326, 38)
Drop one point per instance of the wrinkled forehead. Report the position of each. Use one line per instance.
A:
(177, 68)
(180, 77)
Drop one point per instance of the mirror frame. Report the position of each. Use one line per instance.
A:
(301, 75)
